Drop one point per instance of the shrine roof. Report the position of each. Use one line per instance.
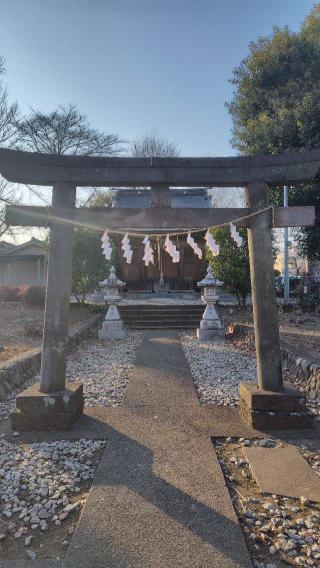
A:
(180, 198)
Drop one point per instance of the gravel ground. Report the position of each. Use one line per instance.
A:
(42, 490)
(103, 366)
(217, 369)
(279, 531)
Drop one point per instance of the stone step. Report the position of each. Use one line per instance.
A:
(162, 324)
(163, 327)
(157, 308)
(162, 317)
(158, 327)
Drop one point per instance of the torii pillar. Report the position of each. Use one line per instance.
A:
(51, 405)
(268, 404)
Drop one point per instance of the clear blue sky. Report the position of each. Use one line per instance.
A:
(135, 66)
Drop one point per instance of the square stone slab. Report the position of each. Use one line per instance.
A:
(283, 471)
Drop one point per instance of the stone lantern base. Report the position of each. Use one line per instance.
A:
(210, 334)
(113, 326)
(210, 325)
(210, 330)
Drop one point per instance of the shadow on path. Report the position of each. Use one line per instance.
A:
(128, 465)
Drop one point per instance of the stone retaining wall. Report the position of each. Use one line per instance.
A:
(303, 367)
(15, 371)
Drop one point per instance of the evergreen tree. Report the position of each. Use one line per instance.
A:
(276, 107)
(231, 266)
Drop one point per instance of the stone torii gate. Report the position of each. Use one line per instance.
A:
(54, 405)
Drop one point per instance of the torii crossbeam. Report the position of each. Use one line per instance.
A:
(268, 404)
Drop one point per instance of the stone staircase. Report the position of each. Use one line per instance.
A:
(157, 316)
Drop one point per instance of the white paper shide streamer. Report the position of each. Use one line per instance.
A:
(235, 235)
(126, 247)
(197, 250)
(148, 252)
(171, 249)
(169, 246)
(106, 245)
(211, 243)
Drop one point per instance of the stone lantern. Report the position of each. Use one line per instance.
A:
(210, 325)
(113, 326)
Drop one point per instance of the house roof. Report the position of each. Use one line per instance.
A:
(5, 246)
(33, 247)
(180, 198)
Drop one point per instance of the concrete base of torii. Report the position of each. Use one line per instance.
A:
(37, 411)
(274, 410)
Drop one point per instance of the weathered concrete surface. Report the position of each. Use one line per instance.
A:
(56, 316)
(287, 473)
(264, 409)
(209, 420)
(39, 411)
(266, 324)
(45, 169)
(164, 217)
(31, 563)
(158, 498)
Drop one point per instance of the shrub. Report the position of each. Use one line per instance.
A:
(33, 295)
(231, 266)
(10, 294)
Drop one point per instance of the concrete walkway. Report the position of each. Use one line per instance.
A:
(158, 498)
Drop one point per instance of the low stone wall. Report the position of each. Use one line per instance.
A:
(303, 367)
(16, 371)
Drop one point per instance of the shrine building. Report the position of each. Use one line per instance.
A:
(164, 275)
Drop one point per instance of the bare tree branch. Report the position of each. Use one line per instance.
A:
(65, 131)
(8, 138)
(151, 145)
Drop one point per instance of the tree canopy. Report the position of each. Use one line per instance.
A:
(65, 131)
(276, 106)
(231, 266)
(89, 266)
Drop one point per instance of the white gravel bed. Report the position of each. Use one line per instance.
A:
(103, 366)
(39, 484)
(217, 369)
